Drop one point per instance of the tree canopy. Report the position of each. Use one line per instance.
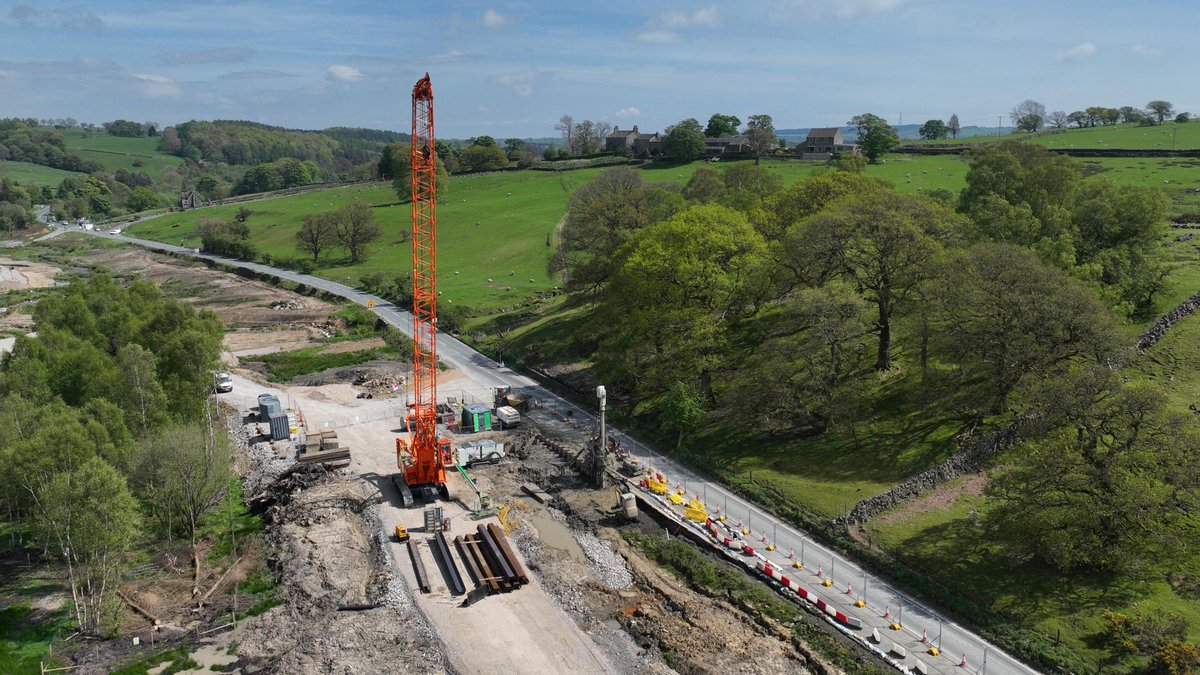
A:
(684, 141)
(722, 126)
(875, 135)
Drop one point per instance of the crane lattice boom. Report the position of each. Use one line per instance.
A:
(420, 457)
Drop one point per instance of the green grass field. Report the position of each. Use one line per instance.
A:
(116, 152)
(1127, 137)
(492, 232)
(34, 174)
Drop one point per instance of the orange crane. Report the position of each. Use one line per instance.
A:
(422, 456)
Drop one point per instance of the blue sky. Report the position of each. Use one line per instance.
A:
(511, 69)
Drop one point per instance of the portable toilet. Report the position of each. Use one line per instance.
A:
(475, 418)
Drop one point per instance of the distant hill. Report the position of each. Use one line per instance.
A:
(235, 142)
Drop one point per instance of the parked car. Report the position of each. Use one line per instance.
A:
(223, 383)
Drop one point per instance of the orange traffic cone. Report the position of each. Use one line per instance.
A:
(964, 661)
(887, 612)
(924, 637)
(849, 589)
(820, 572)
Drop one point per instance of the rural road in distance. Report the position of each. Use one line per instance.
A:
(956, 641)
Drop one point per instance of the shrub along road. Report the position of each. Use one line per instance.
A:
(485, 374)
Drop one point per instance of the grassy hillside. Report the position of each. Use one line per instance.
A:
(493, 228)
(117, 152)
(1127, 137)
(490, 227)
(34, 174)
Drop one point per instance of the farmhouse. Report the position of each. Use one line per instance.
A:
(633, 142)
(824, 143)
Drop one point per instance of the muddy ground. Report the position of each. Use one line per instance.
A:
(242, 304)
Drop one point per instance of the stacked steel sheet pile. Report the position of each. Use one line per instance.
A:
(490, 560)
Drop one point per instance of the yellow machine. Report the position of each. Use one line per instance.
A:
(401, 533)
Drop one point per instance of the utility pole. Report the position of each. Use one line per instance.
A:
(998, 118)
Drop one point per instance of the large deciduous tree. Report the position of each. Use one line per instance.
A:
(933, 130)
(747, 185)
(953, 126)
(885, 242)
(760, 134)
(601, 216)
(1160, 109)
(1107, 487)
(875, 135)
(566, 127)
(705, 186)
(722, 126)
(317, 233)
(1010, 319)
(684, 141)
(1028, 115)
(484, 158)
(183, 471)
(356, 229)
(801, 378)
(678, 285)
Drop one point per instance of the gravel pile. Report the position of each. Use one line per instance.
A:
(266, 467)
(607, 564)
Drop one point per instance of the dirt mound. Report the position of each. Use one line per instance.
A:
(703, 634)
(359, 374)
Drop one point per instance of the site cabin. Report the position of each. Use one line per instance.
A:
(476, 418)
(507, 417)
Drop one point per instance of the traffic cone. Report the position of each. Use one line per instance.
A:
(924, 637)
(820, 572)
(849, 589)
(964, 661)
(764, 539)
(887, 612)
(791, 553)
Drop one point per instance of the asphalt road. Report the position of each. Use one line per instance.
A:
(956, 642)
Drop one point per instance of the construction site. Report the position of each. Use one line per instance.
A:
(448, 515)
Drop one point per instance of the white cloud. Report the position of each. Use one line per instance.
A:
(522, 81)
(493, 19)
(1143, 50)
(705, 16)
(343, 73)
(657, 37)
(1079, 52)
(157, 86)
(631, 111)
